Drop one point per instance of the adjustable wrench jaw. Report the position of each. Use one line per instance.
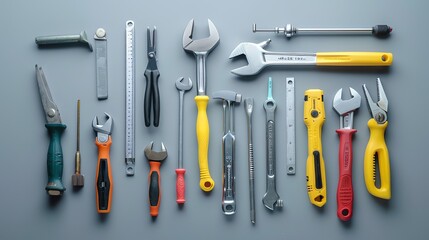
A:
(153, 155)
(345, 108)
(271, 199)
(254, 54)
(103, 131)
(202, 46)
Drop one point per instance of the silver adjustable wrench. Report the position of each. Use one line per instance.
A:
(271, 198)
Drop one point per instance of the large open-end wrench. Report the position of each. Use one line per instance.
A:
(201, 48)
(345, 109)
(271, 198)
(259, 58)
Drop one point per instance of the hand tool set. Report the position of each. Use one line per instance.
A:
(376, 163)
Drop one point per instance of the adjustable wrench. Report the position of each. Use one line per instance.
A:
(259, 58)
(271, 199)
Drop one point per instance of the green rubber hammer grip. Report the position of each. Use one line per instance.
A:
(55, 185)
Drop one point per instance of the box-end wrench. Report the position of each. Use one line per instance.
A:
(271, 199)
(259, 58)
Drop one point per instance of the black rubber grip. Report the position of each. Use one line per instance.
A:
(103, 185)
(156, 103)
(151, 96)
(154, 189)
(381, 31)
(147, 98)
(317, 170)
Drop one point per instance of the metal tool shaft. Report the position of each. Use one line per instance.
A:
(181, 97)
(248, 107)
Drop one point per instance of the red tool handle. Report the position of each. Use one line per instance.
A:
(154, 188)
(180, 185)
(345, 186)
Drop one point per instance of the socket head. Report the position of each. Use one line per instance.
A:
(78, 180)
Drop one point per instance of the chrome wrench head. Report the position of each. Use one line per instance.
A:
(253, 53)
(153, 155)
(345, 108)
(103, 131)
(183, 86)
(201, 45)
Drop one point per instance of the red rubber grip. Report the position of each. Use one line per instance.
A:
(345, 186)
(180, 185)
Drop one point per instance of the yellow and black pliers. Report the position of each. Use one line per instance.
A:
(376, 154)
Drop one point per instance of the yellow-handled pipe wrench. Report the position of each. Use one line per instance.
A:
(376, 154)
(314, 117)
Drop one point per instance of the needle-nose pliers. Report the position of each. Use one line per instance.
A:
(151, 74)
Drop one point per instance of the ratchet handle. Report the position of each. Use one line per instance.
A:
(55, 185)
(203, 134)
(345, 185)
(151, 94)
(103, 178)
(354, 59)
(180, 185)
(154, 188)
(377, 150)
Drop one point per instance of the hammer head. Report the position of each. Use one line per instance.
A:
(227, 96)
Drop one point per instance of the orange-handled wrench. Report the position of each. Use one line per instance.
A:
(155, 159)
(103, 177)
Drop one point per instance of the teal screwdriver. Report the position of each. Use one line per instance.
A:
(55, 128)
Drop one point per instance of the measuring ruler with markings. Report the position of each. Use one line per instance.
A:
(290, 123)
(130, 101)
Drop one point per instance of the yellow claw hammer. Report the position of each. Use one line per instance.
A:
(201, 48)
(376, 153)
(314, 117)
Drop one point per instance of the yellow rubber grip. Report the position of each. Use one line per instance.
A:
(314, 117)
(377, 145)
(354, 59)
(203, 134)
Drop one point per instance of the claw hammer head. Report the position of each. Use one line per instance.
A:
(227, 95)
(254, 53)
(153, 155)
(204, 45)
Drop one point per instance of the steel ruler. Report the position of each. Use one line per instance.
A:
(290, 123)
(130, 101)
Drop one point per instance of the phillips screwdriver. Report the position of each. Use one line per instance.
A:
(289, 31)
(77, 178)
(314, 117)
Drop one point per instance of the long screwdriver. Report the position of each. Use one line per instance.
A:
(77, 178)
(314, 117)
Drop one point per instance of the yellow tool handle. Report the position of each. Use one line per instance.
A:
(314, 117)
(203, 134)
(354, 59)
(377, 145)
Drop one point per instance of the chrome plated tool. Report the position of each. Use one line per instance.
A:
(201, 48)
(271, 198)
(376, 163)
(101, 63)
(345, 108)
(130, 120)
(259, 58)
(55, 186)
(228, 149)
(289, 31)
(248, 107)
(180, 171)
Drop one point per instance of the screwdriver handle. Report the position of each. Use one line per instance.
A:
(154, 188)
(377, 146)
(55, 185)
(180, 185)
(345, 185)
(203, 134)
(103, 177)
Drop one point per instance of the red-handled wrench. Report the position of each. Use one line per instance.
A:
(345, 109)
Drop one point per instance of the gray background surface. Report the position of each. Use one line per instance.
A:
(26, 211)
